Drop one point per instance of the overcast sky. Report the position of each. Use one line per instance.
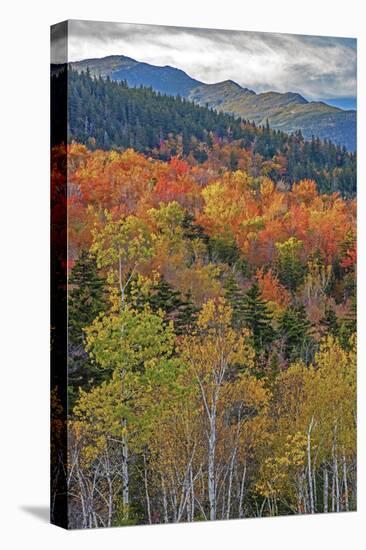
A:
(316, 67)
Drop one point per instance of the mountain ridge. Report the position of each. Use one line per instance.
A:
(288, 112)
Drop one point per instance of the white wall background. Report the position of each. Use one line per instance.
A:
(24, 257)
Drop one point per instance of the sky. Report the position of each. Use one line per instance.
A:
(316, 67)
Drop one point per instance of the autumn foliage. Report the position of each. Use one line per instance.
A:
(215, 374)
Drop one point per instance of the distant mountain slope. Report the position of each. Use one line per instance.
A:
(110, 115)
(166, 80)
(104, 66)
(288, 112)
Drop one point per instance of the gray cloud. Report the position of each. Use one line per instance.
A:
(59, 43)
(314, 66)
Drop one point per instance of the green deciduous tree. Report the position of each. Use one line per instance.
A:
(135, 348)
(121, 248)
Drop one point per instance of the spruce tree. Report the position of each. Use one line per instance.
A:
(257, 318)
(86, 298)
(164, 297)
(235, 297)
(348, 325)
(294, 329)
(289, 265)
(191, 230)
(329, 322)
(180, 310)
(186, 316)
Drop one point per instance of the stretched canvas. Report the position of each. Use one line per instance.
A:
(203, 199)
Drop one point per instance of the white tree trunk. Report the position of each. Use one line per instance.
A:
(232, 463)
(345, 483)
(191, 492)
(211, 465)
(333, 491)
(241, 494)
(310, 477)
(165, 501)
(148, 508)
(336, 483)
(125, 474)
(325, 489)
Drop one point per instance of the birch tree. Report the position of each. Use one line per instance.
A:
(210, 354)
(132, 346)
(122, 247)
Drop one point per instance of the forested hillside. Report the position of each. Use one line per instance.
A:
(288, 111)
(105, 114)
(212, 323)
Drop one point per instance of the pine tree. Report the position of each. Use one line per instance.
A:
(289, 265)
(234, 296)
(273, 368)
(294, 329)
(186, 316)
(233, 163)
(180, 310)
(348, 325)
(329, 322)
(164, 297)
(86, 298)
(257, 318)
(86, 301)
(191, 230)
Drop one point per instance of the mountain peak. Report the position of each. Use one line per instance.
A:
(227, 85)
(116, 57)
(296, 97)
(103, 66)
(224, 86)
(231, 83)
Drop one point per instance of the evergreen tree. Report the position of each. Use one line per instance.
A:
(329, 322)
(164, 297)
(348, 325)
(233, 160)
(257, 318)
(272, 367)
(223, 251)
(289, 265)
(86, 301)
(182, 312)
(294, 330)
(86, 298)
(186, 316)
(191, 230)
(234, 295)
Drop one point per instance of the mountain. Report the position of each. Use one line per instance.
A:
(104, 66)
(106, 114)
(166, 80)
(288, 112)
